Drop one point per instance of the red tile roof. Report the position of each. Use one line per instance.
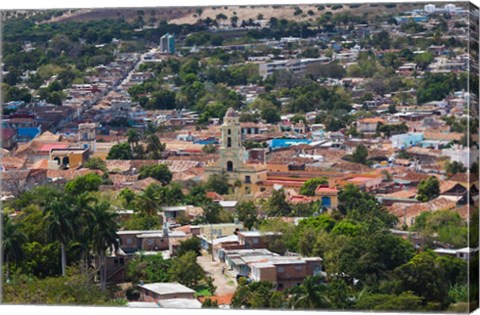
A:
(7, 133)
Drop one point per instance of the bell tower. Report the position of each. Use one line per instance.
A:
(231, 149)
(87, 136)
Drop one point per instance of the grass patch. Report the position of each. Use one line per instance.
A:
(203, 292)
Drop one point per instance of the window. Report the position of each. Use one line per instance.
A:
(247, 180)
(255, 241)
(281, 269)
(229, 132)
(298, 268)
(129, 241)
(229, 166)
(229, 142)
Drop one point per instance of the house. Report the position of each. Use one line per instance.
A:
(67, 158)
(406, 140)
(155, 292)
(264, 265)
(369, 124)
(328, 196)
(255, 239)
(149, 240)
(461, 154)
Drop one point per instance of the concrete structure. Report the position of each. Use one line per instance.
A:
(464, 155)
(87, 136)
(263, 265)
(232, 155)
(295, 66)
(155, 292)
(255, 239)
(329, 196)
(406, 140)
(167, 44)
(67, 158)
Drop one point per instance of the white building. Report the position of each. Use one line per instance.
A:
(464, 155)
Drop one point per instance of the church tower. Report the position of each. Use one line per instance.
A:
(245, 178)
(231, 150)
(87, 137)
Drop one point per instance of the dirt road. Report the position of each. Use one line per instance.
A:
(225, 284)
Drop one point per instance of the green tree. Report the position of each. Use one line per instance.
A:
(308, 188)
(120, 151)
(424, 277)
(218, 183)
(360, 154)
(133, 137)
(428, 189)
(186, 270)
(149, 269)
(257, 295)
(149, 202)
(12, 243)
(277, 204)
(85, 183)
(104, 236)
(127, 195)
(192, 244)
(454, 167)
(159, 172)
(59, 217)
(72, 289)
(405, 301)
(96, 163)
(247, 213)
(154, 146)
(311, 294)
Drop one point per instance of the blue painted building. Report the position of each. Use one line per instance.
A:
(406, 140)
(283, 143)
(26, 134)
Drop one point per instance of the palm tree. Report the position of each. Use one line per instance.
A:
(59, 225)
(311, 294)
(104, 233)
(149, 201)
(12, 240)
(133, 137)
(83, 221)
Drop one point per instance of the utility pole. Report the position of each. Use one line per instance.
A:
(211, 240)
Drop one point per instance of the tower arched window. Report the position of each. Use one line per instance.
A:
(229, 131)
(229, 166)
(229, 142)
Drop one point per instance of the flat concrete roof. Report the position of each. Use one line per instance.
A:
(166, 288)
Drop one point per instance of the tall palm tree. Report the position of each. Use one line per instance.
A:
(133, 137)
(82, 211)
(104, 235)
(311, 294)
(12, 240)
(58, 214)
(149, 201)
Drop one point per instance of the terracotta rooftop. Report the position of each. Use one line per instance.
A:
(9, 163)
(429, 135)
(464, 178)
(142, 184)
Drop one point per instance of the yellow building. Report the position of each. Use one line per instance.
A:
(69, 158)
(232, 159)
